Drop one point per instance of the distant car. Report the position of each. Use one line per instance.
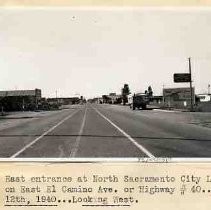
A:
(139, 100)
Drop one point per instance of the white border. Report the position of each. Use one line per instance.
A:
(164, 160)
(109, 159)
(110, 8)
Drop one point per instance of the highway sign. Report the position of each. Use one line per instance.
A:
(182, 77)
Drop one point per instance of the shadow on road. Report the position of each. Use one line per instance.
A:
(108, 136)
(144, 109)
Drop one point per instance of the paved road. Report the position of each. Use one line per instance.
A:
(107, 131)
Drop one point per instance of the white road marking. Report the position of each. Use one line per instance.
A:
(44, 134)
(164, 110)
(78, 139)
(139, 146)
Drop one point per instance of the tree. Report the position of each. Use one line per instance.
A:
(150, 93)
(105, 99)
(125, 93)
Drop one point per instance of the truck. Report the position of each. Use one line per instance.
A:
(139, 100)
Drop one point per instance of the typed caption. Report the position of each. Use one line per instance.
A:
(102, 188)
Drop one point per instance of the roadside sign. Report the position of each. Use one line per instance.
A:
(179, 94)
(182, 77)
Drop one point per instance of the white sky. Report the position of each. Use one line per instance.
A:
(95, 51)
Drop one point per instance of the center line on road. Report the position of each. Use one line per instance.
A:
(78, 139)
(44, 134)
(139, 146)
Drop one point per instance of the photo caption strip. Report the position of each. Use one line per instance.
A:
(95, 185)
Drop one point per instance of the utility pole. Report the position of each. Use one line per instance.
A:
(36, 102)
(56, 98)
(23, 105)
(208, 89)
(191, 91)
(163, 95)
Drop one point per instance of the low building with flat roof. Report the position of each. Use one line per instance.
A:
(20, 100)
(64, 101)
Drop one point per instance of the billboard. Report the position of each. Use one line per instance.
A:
(179, 94)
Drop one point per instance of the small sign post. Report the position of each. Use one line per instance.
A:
(185, 77)
(189, 61)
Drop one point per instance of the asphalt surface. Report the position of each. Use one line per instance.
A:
(93, 130)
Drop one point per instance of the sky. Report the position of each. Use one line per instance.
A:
(95, 51)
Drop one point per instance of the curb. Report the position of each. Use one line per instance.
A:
(5, 118)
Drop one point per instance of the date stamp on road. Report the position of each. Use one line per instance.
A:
(114, 185)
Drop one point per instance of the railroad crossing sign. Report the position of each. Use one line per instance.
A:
(182, 77)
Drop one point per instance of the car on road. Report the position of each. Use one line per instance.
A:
(139, 100)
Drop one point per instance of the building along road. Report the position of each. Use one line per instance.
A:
(102, 130)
